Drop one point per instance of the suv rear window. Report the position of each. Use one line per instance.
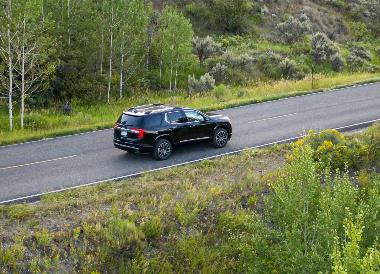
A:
(130, 120)
(153, 121)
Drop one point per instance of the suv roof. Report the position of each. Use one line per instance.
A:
(150, 109)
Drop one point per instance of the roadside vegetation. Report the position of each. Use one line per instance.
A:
(71, 66)
(45, 123)
(308, 207)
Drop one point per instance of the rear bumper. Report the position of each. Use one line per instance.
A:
(128, 146)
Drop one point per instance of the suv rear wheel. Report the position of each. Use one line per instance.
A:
(220, 138)
(162, 150)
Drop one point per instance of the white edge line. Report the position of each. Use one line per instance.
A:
(241, 106)
(176, 165)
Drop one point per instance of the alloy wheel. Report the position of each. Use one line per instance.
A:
(221, 138)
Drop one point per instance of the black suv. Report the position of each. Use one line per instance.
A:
(157, 128)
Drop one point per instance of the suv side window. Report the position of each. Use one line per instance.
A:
(176, 117)
(153, 121)
(194, 116)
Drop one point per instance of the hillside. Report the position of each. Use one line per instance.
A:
(103, 55)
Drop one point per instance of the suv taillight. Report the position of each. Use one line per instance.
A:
(140, 132)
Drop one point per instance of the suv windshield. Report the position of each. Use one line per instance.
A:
(130, 120)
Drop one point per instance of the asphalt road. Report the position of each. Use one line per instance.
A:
(38, 167)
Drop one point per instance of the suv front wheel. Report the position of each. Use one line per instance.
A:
(220, 138)
(162, 150)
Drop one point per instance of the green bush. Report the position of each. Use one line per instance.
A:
(220, 91)
(19, 212)
(120, 234)
(355, 63)
(232, 15)
(43, 238)
(331, 149)
(361, 52)
(219, 73)
(371, 139)
(204, 84)
(322, 48)
(337, 62)
(293, 29)
(152, 228)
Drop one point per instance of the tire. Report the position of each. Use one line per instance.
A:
(162, 150)
(220, 138)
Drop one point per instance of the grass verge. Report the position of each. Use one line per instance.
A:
(51, 123)
(278, 209)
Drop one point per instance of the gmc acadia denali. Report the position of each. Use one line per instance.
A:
(157, 128)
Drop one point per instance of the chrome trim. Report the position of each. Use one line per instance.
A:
(196, 139)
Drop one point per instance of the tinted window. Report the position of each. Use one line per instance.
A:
(130, 120)
(194, 116)
(176, 117)
(153, 121)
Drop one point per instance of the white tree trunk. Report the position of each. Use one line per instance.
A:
(68, 21)
(121, 76)
(176, 73)
(110, 59)
(102, 53)
(171, 70)
(161, 64)
(23, 76)
(147, 58)
(10, 67)
(43, 11)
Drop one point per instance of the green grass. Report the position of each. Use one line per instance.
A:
(50, 122)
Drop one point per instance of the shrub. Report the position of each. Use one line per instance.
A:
(220, 91)
(219, 73)
(43, 238)
(19, 212)
(242, 61)
(232, 15)
(346, 256)
(355, 63)
(361, 52)
(322, 47)
(371, 139)
(122, 235)
(293, 30)
(274, 66)
(269, 64)
(204, 48)
(377, 50)
(337, 62)
(359, 31)
(153, 228)
(289, 69)
(332, 149)
(204, 84)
